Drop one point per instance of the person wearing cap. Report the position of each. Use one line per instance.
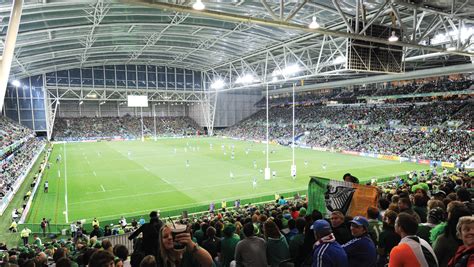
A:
(327, 251)
(150, 231)
(361, 249)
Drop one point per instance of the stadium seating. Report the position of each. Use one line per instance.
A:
(291, 219)
(419, 130)
(124, 127)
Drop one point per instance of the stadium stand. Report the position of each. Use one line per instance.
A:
(440, 200)
(124, 127)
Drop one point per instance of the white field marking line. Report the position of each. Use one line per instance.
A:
(283, 160)
(164, 180)
(103, 189)
(110, 190)
(94, 173)
(199, 203)
(160, 192)
(65, 182)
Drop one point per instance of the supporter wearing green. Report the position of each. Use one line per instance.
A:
(277, 247)
(297, 240)
(226, 248)
(375, 226)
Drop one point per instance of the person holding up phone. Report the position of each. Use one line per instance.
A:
(178, 249)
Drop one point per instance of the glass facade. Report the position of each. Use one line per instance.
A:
(25, 104)
(128, 76)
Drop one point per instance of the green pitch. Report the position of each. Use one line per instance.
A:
(111, 179)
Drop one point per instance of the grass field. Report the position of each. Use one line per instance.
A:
(102, 180)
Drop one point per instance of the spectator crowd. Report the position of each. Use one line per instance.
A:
(422, 220)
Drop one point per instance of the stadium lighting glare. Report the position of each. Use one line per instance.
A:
(314, 24)
(339, 60)
(91, 95)
(288, 71)
(81, 102)
(198, 5)
(16, 83)
(463, 36)
(246, 79)
(217, 84)
(102, 102)
(451, 48)
(393, 37)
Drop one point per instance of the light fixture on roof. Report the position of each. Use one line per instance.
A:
(198, 5)
(16, 83)
(81, 102)
(217, 84)
(451, 48)
(102, 102)
(393, 37)
(314, 24)
(246, 79)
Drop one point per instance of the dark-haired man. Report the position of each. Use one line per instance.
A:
(412, 250)
(151, 230)
(252, 251)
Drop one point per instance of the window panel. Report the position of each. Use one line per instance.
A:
(38, 104)
(26, 115)
(40, 125)
(25, 103)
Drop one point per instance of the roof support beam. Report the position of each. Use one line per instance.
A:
(287, 25)
(9, 48)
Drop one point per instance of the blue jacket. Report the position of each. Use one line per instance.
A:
(329, 254)
(361, 251)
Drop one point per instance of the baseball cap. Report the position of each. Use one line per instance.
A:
(320, 226)
(361, 221)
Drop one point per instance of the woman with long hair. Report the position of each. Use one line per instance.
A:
(191, 255)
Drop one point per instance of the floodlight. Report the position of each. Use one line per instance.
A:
(314, 24)
(339, 60)
(246, 79)
(218, 84)
(81, 102)
(393, 37)
(16, 83)
(451, 48)
(198, 5)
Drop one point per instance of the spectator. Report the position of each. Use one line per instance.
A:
(339, 228)
(375, 226)
(404, 205)
(192, 255)
(297, 240)
(388, 237)
(212, 242)
(327, 251)
(252, 250)
(412, 250)
(150, 231)
(101, 258)
(226, 248)
(148, 261)
(446, 244)
(435, 217)
(361, 249)
(277, 247)
(465, 254)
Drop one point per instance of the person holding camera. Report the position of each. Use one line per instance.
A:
(178, 249)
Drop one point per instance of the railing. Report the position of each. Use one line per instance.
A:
(120, 240)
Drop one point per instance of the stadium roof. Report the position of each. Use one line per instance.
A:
(233, 38)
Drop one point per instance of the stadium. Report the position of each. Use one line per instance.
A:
(236, 133)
